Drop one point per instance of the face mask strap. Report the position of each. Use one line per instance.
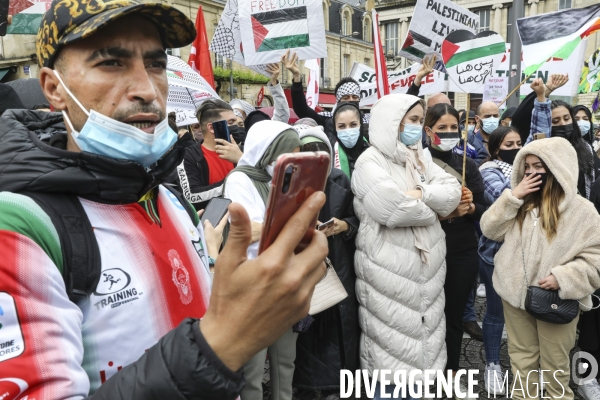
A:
(72, 96)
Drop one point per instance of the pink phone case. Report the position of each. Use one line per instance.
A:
(309, 176)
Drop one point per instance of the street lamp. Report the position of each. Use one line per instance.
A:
(341, 37)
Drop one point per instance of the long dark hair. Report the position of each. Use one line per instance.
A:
(435, 112)
(585, 157)
(496, 138)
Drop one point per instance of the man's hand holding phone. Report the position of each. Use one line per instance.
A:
(228, 151)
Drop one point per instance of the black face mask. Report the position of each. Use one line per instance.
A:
(544, 177)
(239, 134)
(563, 131)
(508, 156)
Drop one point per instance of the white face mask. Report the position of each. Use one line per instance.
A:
(108, 137)
(448, 144)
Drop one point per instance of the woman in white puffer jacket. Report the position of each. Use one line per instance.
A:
(400, 246)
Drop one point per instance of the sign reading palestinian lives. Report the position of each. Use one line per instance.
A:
(399, 82)
(431, 22)
(571, 65)
(495, 89)
(272, 26)
(471, 59)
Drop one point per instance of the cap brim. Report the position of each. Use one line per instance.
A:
(175, 28)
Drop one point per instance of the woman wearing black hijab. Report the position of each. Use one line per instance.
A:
(350, 139)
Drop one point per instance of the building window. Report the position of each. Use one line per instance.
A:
(345, 69)
(344, 25)
(323, 69)
(564, 4)
(367, 29)
(220, 61)
(484, 20)
(391, 38)
(174, 52)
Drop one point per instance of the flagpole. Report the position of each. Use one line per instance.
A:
(466, 139)
(515, 89)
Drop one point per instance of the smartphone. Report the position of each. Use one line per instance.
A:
(325, 225)
(537, 136)
(296, 177)
(215, 210)
(221, 130)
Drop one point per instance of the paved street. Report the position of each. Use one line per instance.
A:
(472, 357)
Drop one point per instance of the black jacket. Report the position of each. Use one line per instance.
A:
(181, 365)
(331, 343)
(192, 175)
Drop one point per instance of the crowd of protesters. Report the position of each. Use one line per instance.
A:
(111, 288)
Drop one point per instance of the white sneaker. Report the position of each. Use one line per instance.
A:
(494, 380)
(590, 391)
(481, 290)
(465, 390)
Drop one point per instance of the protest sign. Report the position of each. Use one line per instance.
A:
(273, 26)
(227, 41)
(431, 22)
(399, 81)
(495, 89)
(470, 59)
(589, 81)
(571, 65)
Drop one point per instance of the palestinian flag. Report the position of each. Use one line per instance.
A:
(417, 45)
(555, 34)
(463, 47)
(280, 29)
(27, 16)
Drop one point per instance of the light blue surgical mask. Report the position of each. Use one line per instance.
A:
(471, 129)
(490, 124)
(411, 134)
(107, 137)
(349, 137)
(584, 126)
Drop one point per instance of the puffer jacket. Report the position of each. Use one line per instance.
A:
(573, 255)
(401, 298)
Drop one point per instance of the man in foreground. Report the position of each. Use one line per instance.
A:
(133, 331)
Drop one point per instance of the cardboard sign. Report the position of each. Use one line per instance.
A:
(271, 27)
(431, 22)
(495, 89)
(399, 82)
(470, 59)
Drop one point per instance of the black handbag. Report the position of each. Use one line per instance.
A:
(546, 305)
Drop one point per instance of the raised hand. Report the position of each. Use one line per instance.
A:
(290, 61)
(538, 87)
(529, 184)
(274, 70)
(555, 81)
(426, 68)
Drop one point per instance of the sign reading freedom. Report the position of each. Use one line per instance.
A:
(432, 21)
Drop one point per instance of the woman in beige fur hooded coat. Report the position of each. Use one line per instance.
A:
(553, 235)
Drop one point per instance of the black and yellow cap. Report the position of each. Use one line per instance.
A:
(67, 21)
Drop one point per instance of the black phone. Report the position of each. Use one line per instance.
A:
(221, 130)
(215, 210)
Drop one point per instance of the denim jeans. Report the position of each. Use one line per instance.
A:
(389, 389)
(493, 321)
(470, 315)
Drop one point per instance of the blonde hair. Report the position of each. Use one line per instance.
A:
(547, 201)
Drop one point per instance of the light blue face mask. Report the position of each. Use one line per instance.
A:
(584, 127)
(471, 129)
(349, 137)
(411, 134)
(490, 124)
(110, 138)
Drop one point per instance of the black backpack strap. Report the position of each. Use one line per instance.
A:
(81, 255)
(184, 203)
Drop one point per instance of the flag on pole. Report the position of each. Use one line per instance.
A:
(199, 58)
(555, 34)
(312, 87)
(383, 86)
(596, 104)
(260, 96)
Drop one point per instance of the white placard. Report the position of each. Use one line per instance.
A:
(495, 89)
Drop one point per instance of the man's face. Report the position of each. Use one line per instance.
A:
(119, 72)
(349, 97)
(488, 110)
